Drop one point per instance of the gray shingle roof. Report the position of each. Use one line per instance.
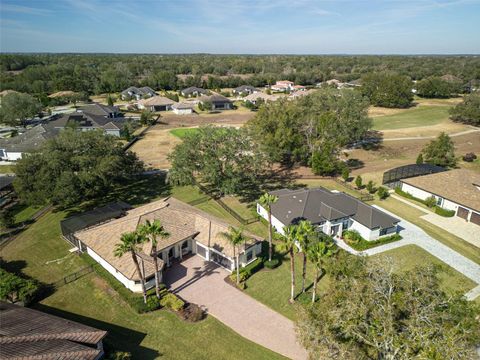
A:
(87, 120)
(30, 140)
(319, 205)
(98, 109)
(192, 89)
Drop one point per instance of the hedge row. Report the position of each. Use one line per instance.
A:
(355, 241)
(438, 210)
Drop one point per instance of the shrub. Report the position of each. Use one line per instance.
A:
(243, 276)
(352, 236)
(7, 218)
(272, 264)
(358, 182)
(119, 355)
(152, 303)
(469, 157)
(252, 268)
(382, 193)
(14, 288)
(444, 212)
(171, 301)
(368, 244)
(430, 201)
(371, 187)
(192, 313)
(345, 174)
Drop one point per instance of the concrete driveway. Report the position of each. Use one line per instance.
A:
(202, 283)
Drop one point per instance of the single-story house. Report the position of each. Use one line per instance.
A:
(13, 148)
(83, 121)
(137, 93)
(156, 103)
(253, 98)
(182, 108)
(100, 110)
(282, 85)
(219, 102)
(193, 91)
(191, 230)
(245, 90)
(30, 334)
(457, 190)
(299, 88)
(331, 212)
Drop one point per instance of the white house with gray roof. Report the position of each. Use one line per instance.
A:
(332, 212)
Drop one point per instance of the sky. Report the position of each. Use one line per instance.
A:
(241, 26)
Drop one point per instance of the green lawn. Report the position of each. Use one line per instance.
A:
(90, 301)
(272, 287)
(24, 212)
(7, 169)
(182, 132)
(424, 115)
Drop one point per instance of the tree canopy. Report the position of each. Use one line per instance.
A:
(371, 312)
(436, 87)
(73, 167)
(388, 89)
(468, 111)
(17, 107)
(310, 130)
(223, 157)
(440, 151)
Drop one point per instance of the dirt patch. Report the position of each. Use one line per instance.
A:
(102, 285)
(374, 111)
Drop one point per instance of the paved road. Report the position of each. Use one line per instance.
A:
(202, 282)
(412, 234)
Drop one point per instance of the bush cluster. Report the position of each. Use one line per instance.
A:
(357, 242)
(444, 212)
(172, 302)
(431, 202)
(352, 237)
(272, 264)
(192, 313)
(14, 288)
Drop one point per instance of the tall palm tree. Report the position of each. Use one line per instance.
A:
(267, 200)
(305, 231)
(130, 242)
(152, 230)
(321, 247)
(288, 244)
(235, 237)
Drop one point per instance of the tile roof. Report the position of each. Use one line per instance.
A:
(319, 205)
(459, 185)
(156, 101)
(260, 95)
(180, 220)
(31, 334)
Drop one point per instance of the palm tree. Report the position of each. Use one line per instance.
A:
(322, 247)
(130, 242)
(266, 201)
(289, 241)
(235, 237)
(151, 230)
(305, 231)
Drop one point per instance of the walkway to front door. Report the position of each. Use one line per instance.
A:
(201, 282)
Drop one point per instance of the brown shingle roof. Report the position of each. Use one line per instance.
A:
(459, 185)
(156, 101)
(180, 220)
(30, 334)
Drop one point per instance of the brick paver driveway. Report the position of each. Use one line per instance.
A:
(202, 283)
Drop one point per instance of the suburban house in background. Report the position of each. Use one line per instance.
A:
(219, 102)
(156, 103)
(283, 85)
(245, 90)
(83, 121)
(137, 93)
(254, 98)
(32, 334)
(100, 110)
(332, 212)
(457, 190)
(193, 92)
(13, 148)
(191, 230)
(182, 108)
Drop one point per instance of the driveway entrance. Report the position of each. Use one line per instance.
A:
(202, 282)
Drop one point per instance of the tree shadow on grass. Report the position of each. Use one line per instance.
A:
(119, 338)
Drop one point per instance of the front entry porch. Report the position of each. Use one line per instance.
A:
(176, 252)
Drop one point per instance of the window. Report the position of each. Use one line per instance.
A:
(439, 201)
(249, 255)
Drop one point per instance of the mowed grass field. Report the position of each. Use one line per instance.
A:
(183, 132)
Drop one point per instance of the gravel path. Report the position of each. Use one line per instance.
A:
(201, 282)
(413, 235)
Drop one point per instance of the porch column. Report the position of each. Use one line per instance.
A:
(180, 248)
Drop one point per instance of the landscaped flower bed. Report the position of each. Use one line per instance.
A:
(355, 241)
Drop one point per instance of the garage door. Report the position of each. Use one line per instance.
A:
(462, 212)
(475, 218)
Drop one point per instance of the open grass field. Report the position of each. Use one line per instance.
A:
(7, 169)
(41, 253)
(413, 117)
(182, 132)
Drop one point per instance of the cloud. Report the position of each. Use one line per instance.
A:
(24, 10)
